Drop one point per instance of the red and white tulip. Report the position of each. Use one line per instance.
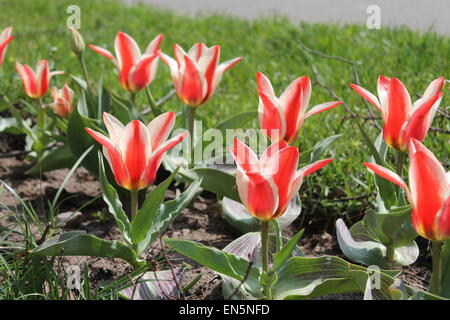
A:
(5, 38)
(136, 70)
(428, 192)
(197, 73)
(62, 100)
(36, 82)
(281, 118)
(266, 185)
(135, 151)
(403, 119)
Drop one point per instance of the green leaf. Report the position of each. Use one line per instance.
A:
(369, 252)
(393, 228)
(79, 140)
(237, 121)
(285, 253)
(155, 285)
(445, 260)
(167, 212)
(144, 217)
(218, 182)
(111, 198)
(219, 261)
(237, 215)
(78, 243)
(120, 110)
(58, 158)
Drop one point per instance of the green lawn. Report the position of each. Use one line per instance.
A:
(270, 46)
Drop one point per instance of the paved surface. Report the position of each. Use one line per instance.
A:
(416, 14)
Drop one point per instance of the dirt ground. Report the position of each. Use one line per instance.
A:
(201, 222)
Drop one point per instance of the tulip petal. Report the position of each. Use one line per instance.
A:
(429, 188)
(221, 68)
(113, 156)
(179, 54)
(417, 126)
(442, 222)
(115, 128)
(28, 79)
(159, 129)
(270, 151)
(136, 150)
(313, 167)
(153, 47)
(141, 74)
(388, 175)
(271, 117)
(197, 51)
(399, 104)
(294, 101)
(264, 84)
(3, 46)
(262, 196)
(208, 64)
(43, 76)
(282, 166)
(149, 175)
(383, 92)
(173, 67)
(244, 157)
(192, 87)
(127, 53)
(104, 53)
(433, 89)
(367, 95)
(322, 107)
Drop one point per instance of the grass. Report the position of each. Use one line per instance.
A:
(268, 45)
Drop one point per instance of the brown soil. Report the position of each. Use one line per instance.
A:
(201, 222)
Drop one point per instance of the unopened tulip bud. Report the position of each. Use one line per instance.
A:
(78, 45)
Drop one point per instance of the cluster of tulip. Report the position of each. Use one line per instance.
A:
(266, 184)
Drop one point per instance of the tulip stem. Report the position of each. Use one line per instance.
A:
(86, 78)
(153, 105)
(390, 254)
(134, 203)
(191, 119)
(265, 256)
(436, 277)
(399, 169)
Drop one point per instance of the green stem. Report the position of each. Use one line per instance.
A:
(436, 277)
(86, 78)
(133, 98)
(390, 253)
(134, 203)
(399, 169)
(191, 119)
(265, 256)
(153, 105)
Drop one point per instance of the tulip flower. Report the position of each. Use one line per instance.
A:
(429, 191)
(197, 74)
(403, 120)
(266, 185)
(5, 39)
(281, 118)
(36, 82)
(136, 70)
(62, 100)
(135, 151)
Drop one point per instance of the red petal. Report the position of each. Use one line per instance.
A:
(159, 128)
(244, 156)
(135, 147)
(191, 88)
(114, 157)
(262, 199)
(140, 75)
(387, 174)
(271, 118)
(367, 95)
(399, 104)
